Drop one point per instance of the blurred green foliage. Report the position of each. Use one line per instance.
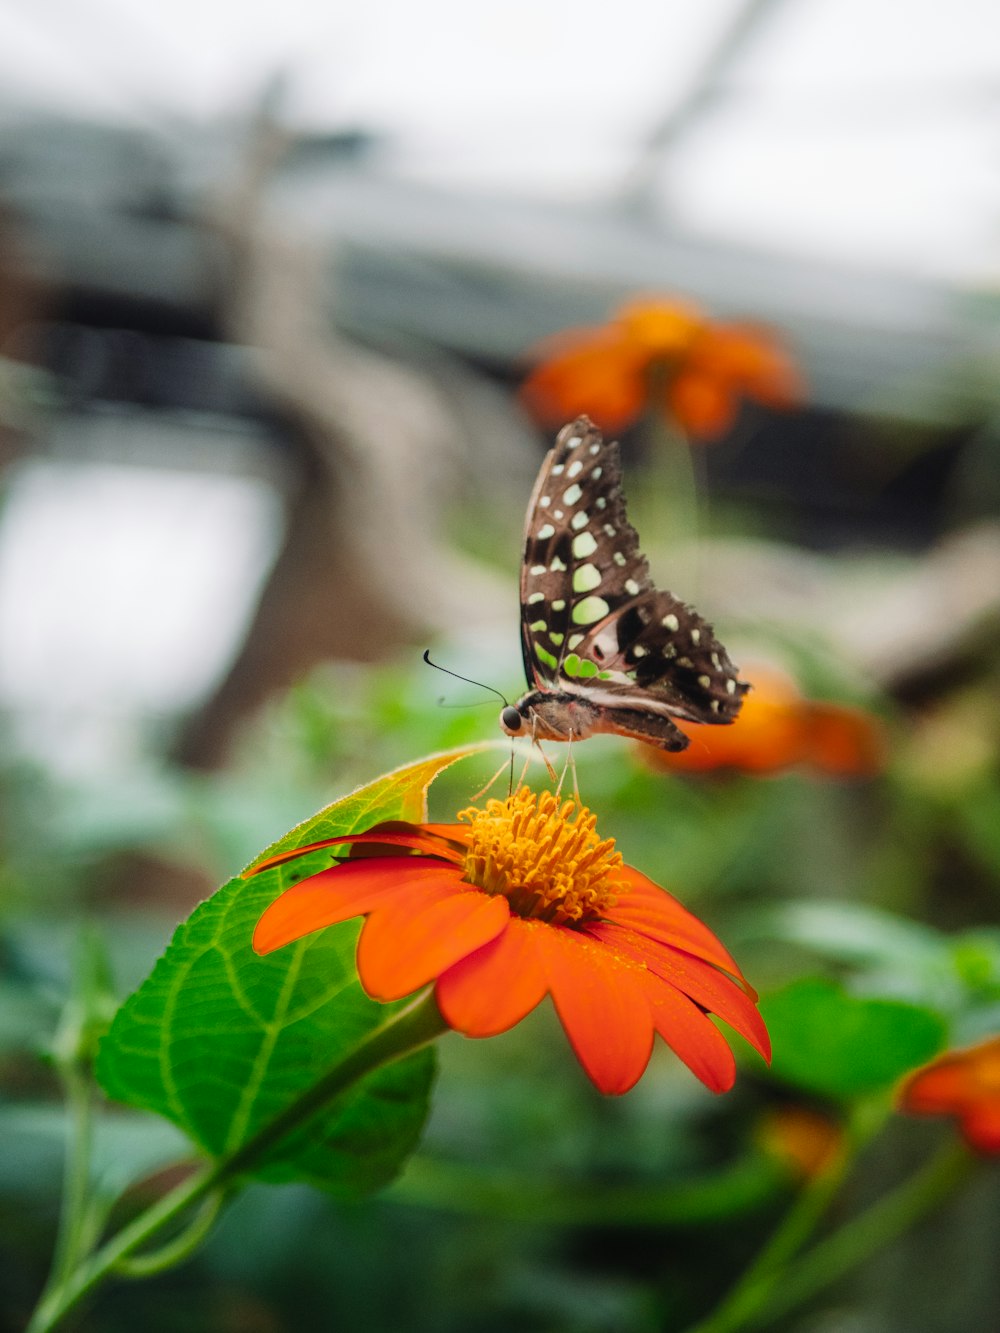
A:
(862, 910)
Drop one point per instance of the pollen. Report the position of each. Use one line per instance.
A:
(544, 857)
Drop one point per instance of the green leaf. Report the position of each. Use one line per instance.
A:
(839, 1045)
(401, 794)
(220, 1041)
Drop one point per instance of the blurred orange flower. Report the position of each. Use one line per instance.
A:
(965, 1084)
(520, 901)
(662, 354)
(804, 1140)
(776, 729)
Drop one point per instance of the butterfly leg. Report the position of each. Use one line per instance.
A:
(537, 743)
(652, 728)
(484, 789)
(569, 767)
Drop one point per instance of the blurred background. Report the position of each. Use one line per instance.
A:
(270, 279)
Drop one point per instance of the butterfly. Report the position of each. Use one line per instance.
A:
(604, 650)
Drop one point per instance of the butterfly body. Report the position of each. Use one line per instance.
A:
(604, 650)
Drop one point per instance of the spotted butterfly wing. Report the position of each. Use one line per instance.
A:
(604, 650)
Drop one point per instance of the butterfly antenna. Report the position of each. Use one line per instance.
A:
(468, 679)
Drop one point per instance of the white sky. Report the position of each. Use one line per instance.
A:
(856, 129)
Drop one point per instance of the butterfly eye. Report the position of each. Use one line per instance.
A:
(510, 719)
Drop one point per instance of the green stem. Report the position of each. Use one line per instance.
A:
(74, 1232)
(407, 1031)
(752, 1293)
(876, 1227)
(667, 508)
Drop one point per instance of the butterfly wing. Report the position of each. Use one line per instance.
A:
(592, 622)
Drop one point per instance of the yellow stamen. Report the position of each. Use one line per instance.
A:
(547, 861)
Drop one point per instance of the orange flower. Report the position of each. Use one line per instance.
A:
(523, 900)
(804, 1140)
(965, 1084)
(776, 729)
(663, 354)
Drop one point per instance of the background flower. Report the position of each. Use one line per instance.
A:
(661, 354)
(777, 729)
(964, 1084)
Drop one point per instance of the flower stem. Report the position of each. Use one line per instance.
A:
(751, 1297)
(670, 510)
(877, 1226)
(771, 1287)
(407, 1031)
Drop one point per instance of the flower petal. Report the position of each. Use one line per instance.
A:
(445, 840)
(492, 989)
(700, 981)
(655, 913)
(601, 1003)
(691, 1035)
(410, 941)
(701, 404)
(981, 1126)
(343, 891)
(596, 371)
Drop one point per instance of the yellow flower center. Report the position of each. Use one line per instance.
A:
(547, 861)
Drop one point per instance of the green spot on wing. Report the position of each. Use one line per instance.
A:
(579, 667)
(589, 610)
(545, 657)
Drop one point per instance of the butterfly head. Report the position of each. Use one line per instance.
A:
(512, 720)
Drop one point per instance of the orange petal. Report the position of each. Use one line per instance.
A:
(665, 330)
(655, 913)
(844, 741)
(601, 1004)
(411, 941)
(600, 374)
(445, 840)
(343, 891)
(706, 985)
(691, 1035)
(701, 404)
(941, 1088)
(492, 989)
(981, 1126)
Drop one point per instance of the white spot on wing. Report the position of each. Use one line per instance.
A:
(579, 520)
(572, 493)
(536, 597)
(671, 622)
(545, 532)
(583, 545)
(632, 587)
(575, 468)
